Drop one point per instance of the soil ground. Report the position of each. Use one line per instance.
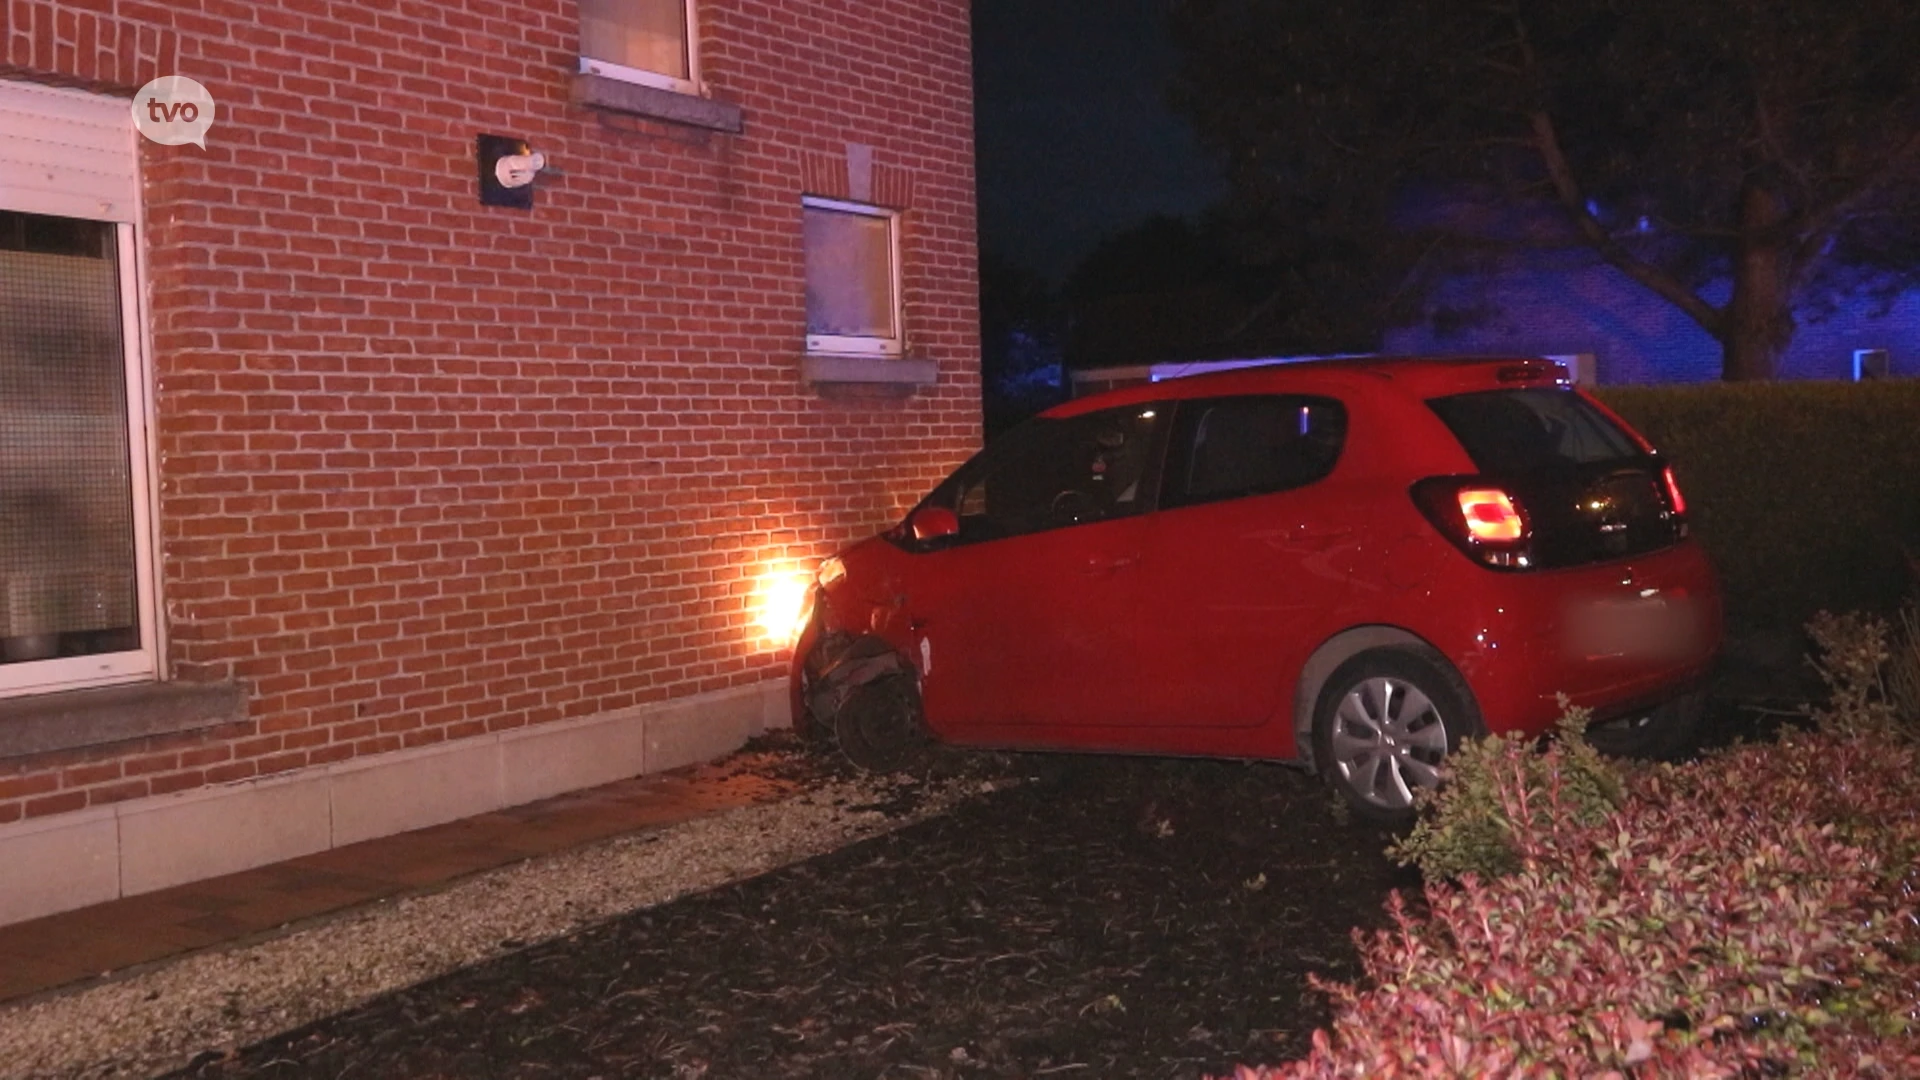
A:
(1101, 917)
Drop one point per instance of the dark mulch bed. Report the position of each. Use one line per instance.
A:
(1107, 918)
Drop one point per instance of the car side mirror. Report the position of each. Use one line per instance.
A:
(935, 523)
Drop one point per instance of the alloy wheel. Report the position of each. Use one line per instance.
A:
(1388, 739)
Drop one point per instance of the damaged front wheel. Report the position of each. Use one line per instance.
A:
(879, 727)
(863, 700)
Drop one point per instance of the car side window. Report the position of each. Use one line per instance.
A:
(1050, 473)
(1229, 448)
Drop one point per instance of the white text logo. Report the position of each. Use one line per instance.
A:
(172, 110)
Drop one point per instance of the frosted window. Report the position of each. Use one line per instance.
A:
(849, 274)
(67, 582)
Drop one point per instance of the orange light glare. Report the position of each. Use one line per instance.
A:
(780, 604)
(1491, 516)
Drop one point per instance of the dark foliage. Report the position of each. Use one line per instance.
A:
(1804, 494)
(1771, 143)
(1022, 334)
(1172, 290)
(1161, 254)
(1751, 914)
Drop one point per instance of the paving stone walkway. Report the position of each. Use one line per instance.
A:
(60, 951)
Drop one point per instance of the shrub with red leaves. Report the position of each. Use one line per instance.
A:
(1752, 914)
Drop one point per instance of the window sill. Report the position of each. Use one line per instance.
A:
(637, 99)
(77, 719)
(869, 369)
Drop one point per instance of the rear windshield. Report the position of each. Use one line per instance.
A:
(1518, 431)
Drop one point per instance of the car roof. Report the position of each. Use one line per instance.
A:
(1419, 377)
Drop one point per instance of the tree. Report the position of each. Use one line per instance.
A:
(1173, 289)
(1021, 327)
(1159, 254)
(1767, 151)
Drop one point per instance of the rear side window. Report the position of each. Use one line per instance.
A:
(1228, 448)
(1518, 431)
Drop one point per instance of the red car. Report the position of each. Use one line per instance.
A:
(1351, 565)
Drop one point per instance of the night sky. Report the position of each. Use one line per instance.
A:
(1075, 140)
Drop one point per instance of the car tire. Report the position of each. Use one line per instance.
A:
(1382, 725)
(1667, 732)
(880, 727)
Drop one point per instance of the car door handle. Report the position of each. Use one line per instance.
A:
(1107, 564)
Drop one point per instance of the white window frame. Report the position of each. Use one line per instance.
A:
(851, 345)
(689, 85)
(142, 664)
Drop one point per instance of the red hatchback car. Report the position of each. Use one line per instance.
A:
(1351, 565)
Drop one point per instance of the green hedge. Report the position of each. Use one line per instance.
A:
(1806, 494)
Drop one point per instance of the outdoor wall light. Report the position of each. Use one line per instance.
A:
(507, 168)
(518, 170)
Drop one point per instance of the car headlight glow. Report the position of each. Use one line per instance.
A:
(782, 605)
(831, 572)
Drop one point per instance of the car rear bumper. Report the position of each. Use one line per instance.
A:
(1610, 637)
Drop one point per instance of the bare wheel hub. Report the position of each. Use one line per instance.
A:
(879, 727)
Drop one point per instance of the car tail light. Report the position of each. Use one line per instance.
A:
(1491, 516)
(1678, 501)
(1485, 520)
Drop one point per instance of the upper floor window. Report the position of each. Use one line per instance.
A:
(853, 278)
(653, 42)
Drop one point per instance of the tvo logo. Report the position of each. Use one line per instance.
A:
(173, 110)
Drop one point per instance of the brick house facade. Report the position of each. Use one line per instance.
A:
(442, 506)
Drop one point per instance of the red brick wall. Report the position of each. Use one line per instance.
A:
(430, 469)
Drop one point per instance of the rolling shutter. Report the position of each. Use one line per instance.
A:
(68, 154)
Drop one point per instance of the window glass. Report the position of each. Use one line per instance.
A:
(1517, 431)
(850, 273)
(67, 550)
(1230, 447)
(650, 35)
(1052, 473)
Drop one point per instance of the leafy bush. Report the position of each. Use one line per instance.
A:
(1903, 653)
(1854, 651)
(1752, 914)
(1871, 667)
(1903, 665)
(1804, 493)
(1497, 789)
